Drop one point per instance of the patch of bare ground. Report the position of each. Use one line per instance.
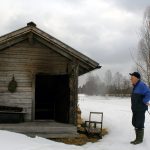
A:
(81, 139)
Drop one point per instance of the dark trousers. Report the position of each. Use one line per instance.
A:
(138, 119)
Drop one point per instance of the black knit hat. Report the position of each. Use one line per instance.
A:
(136, 74)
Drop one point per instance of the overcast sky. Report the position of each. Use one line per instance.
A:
(104, 30)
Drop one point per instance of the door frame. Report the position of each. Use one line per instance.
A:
(33, 94)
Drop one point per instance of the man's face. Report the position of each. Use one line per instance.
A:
(134, 80)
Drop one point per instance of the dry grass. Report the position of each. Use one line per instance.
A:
(81, 139)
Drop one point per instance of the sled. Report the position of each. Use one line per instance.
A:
(94, 128)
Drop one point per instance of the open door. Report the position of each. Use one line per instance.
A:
(52, 97)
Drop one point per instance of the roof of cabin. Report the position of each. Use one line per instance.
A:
(86, 64)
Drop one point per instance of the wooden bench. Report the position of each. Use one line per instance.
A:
(11, 117)
(10, 114)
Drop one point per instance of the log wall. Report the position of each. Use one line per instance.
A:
(24, 61)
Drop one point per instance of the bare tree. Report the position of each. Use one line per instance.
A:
(93, 86)
(143, 63)
(120, 85)
(118, 80)
(108, 78)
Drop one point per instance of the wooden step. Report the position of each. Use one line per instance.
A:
(42, 129)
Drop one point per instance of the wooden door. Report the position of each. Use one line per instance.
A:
(52, 98)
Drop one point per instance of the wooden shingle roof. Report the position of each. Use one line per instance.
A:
(86, 64)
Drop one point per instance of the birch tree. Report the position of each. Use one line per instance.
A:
(143, 63)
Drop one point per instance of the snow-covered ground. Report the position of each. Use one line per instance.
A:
(117, 119)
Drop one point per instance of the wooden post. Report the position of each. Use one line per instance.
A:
(73, 84)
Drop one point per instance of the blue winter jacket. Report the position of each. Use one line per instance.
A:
(140, 96)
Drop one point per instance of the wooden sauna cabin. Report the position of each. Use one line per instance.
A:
(39, 76)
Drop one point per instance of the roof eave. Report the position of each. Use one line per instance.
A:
(31, 27)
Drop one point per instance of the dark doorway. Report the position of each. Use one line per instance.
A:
(52, 97)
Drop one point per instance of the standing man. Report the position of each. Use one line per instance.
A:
(139, 104)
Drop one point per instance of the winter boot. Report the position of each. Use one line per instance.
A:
(139, 136)
(132, 142)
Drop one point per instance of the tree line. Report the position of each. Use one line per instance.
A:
(115, 85)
